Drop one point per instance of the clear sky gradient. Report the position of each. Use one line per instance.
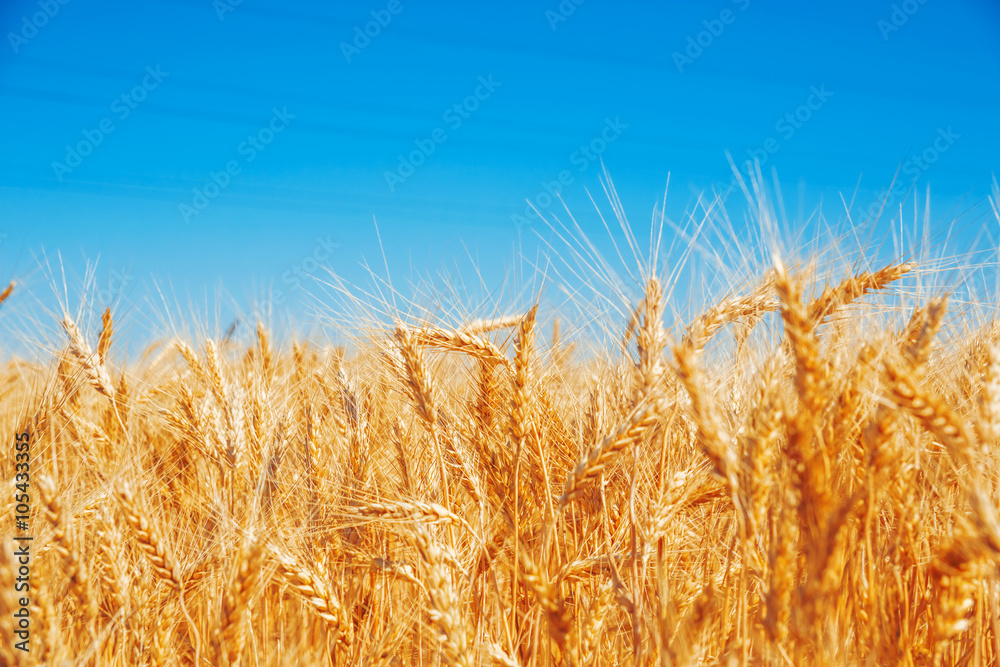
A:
(198, 144)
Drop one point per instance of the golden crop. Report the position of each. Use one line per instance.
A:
(821, 494)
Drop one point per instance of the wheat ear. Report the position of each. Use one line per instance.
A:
(853, 288)
(751, 306)
(96, 371)
(485, 326)
(110, 549)
(315, 592)
(104, 340)
(591, 465)
(148, 539)
(72, 565)
(421, 391)
(712, 434)
(414, 510)
(232, 631)
(4, 295)
(650, 340)
(459, 340)
(445, 609)
(931, 411)
(988, 419)
(416, 376)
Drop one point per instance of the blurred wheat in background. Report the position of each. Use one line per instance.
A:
(803, 474)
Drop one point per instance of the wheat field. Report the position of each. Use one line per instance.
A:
(803, 474)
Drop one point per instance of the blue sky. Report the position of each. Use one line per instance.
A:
(241, 144)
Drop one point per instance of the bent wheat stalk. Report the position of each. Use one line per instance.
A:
(316, 593)
(148, 539)
(594, 463)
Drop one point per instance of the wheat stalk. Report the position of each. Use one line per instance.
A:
(73, 566)
(459, 340)
(148, 539)
(231, 633)
(94, 367)
(414, 510)
(315, 592)
(594, 463)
